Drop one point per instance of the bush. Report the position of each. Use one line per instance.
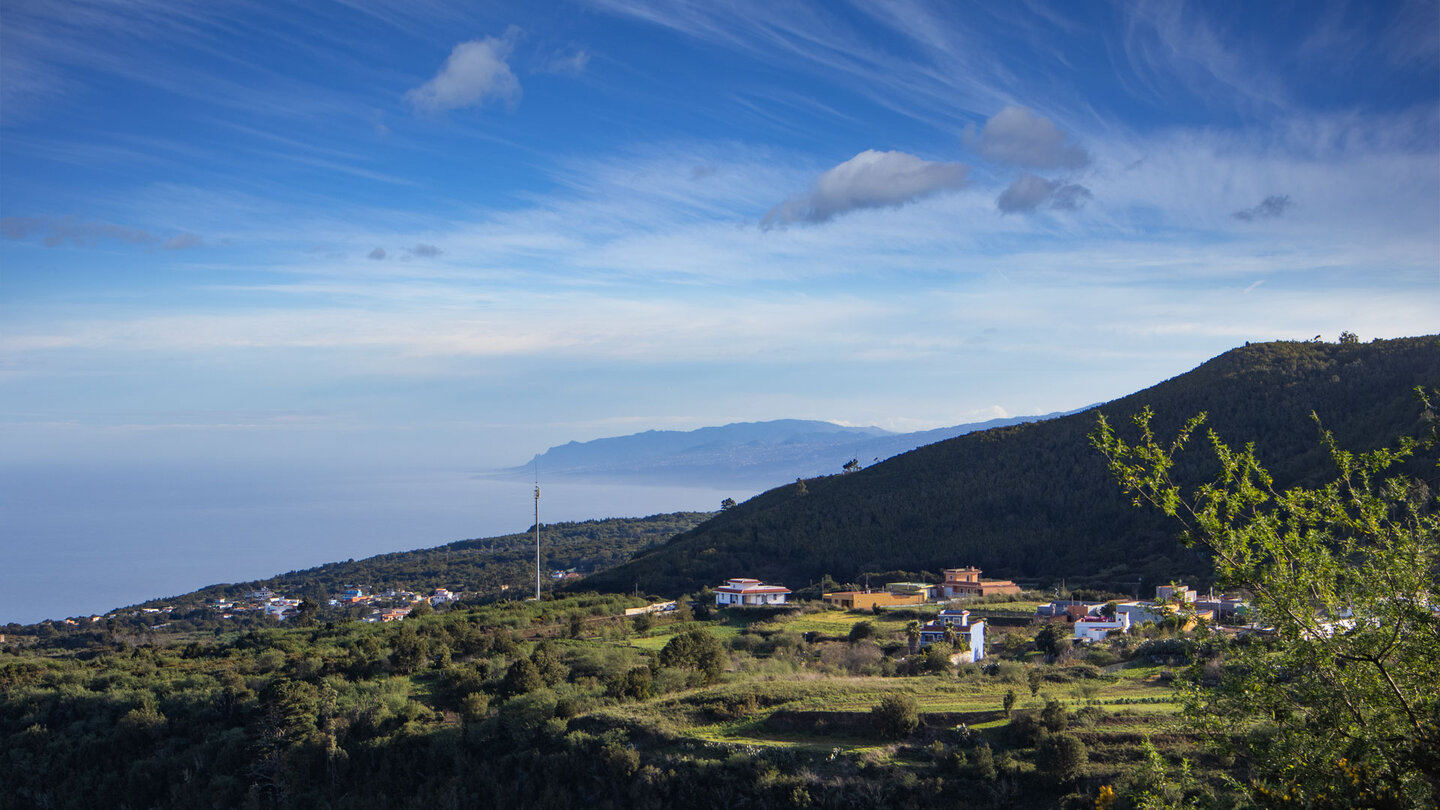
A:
(1054, 716)
(474, 707)
(982, 765)
(896, 716)
(1101, 657)
(522, 677)
(1063, 756)
(695, 649)
(861, 631)
(1024, 729)
(636, 684)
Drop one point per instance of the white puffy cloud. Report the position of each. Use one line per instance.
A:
(871, 179)
(476, 72)
(1021, 138)
(1029, 192)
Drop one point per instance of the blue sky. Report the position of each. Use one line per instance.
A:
(433, 234)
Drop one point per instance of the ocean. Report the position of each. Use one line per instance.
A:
(79, 541)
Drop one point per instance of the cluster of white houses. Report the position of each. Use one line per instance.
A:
(1091, 621)
(1093, 624)
(951, 626)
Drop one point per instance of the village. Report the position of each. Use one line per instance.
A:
(1092, 621)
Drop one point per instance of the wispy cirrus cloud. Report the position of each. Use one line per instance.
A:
(571, 63)
(1268, 208)
(72, 231)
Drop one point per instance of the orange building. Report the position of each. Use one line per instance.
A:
(966, 582)
(867, 600)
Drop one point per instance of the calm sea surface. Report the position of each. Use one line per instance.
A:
(81, 541)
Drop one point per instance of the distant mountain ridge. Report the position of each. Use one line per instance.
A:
(740, 453)
(1034, 502)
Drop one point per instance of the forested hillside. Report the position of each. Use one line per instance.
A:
(1034, 501)
(478, 566)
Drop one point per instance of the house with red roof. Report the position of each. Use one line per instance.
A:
(743, 592)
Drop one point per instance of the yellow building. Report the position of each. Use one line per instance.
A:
(867, 600)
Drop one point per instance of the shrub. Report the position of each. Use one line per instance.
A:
(982, 765)
(522, 677)
(861, 631)
(474, 707)
(1063, 756)
(695, 649)
(1024, 729)
(637, 684)
(1054, 716)
(896, 716)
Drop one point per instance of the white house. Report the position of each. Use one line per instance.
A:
(744, 592)
(1096, 628)
(1140, 612)
(959, 621)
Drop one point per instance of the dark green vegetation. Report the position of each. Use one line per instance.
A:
(1339, 705)
(1035, 502)
(559, 704)
(486, 564)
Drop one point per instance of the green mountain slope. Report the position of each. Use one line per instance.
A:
(479, 566)
(1034, 502)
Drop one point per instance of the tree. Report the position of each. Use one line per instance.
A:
(695, 649)
(982, 765)
(1052, 640)
(936, 659)
(522, 676)
(1054, 716)
(1033, 679)
(1348, 338)
(912, 634)
(851, 466)
(896, 716)
(552, 670)
(1063, 756)
(726, 504)
(1339, 705)
(409, 650)
(305, 612)
(861, 631)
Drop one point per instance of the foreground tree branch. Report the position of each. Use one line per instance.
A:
(1335, 701)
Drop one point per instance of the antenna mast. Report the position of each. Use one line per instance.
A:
(537, 532)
